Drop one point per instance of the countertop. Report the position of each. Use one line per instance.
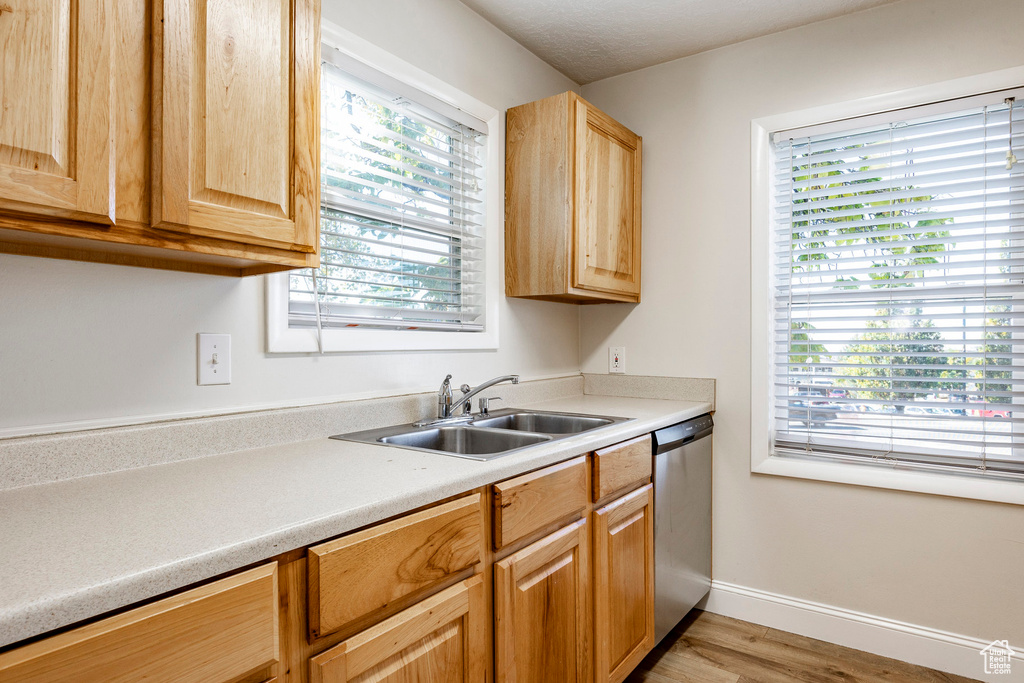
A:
(73, 550)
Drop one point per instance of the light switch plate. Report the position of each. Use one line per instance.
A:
(617, 360)
(214, 359)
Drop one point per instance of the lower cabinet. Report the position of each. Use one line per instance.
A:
(542, 610)
(442, 639)
(623, 584)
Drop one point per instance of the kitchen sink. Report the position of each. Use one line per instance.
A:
(464, 440)
(483, 437)
(544, 423)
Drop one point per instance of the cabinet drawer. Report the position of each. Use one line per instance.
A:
(212, 634)
(353, 576)
(532, 501)
(442, 638)
(622, 465)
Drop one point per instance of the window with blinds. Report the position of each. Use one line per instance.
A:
(898, 289)
(401, 215)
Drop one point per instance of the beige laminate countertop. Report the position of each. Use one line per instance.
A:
(75, 549)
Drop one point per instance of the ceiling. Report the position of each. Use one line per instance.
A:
(588, 40)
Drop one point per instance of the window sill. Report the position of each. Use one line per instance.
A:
(881, 477)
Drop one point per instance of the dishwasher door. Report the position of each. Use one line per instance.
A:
(682, 520)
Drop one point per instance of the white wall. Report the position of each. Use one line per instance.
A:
(945, 563)
(83, 341)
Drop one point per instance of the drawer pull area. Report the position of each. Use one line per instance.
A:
(216, 633)
(528, 503)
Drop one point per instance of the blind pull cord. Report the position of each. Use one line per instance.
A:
(316, 303)
(1011, 159)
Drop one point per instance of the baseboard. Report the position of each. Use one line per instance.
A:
(949, 652)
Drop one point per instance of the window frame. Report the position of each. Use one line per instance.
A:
(762, 461)
(283, 339)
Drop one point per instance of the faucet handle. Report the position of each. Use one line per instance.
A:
(444, 398)
(485, 401)
(467, 406)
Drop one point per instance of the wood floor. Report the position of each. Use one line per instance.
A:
(708, 648)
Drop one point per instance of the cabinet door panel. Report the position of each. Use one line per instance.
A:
(235, 120)
(442, 638)
(542, 610)
(56, 108)
(244, 59)
(607, 221)
(623, 584)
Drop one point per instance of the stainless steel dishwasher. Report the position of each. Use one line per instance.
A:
(682, 520)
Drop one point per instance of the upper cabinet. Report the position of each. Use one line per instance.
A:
(572, 203)
(57, 108)
(171, 134)
(232, 156)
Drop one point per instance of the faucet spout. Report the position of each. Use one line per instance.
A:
(450, 408)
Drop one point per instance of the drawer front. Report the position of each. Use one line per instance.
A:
(354, 576)
(442, 638)
(533, 501)
(622, 465)
(212, 634)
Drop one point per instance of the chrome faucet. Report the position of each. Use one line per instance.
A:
(444, 398)
(446, 408)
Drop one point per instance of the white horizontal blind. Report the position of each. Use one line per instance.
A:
(401, 216)
(898, 293)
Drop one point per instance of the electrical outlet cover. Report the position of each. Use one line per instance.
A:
(617, 360)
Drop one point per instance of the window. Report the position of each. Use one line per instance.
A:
(896, 298)
(405, 260)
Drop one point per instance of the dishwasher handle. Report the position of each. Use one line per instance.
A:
(681, 434)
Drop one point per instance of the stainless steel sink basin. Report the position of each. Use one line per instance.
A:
(543, 423)
(464, 440)
(484, 437)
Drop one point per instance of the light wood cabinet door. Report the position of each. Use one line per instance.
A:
(442, 639)
(542, 610)
(235, 120)
(607, 220)
(623, 584)
(56, 109)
